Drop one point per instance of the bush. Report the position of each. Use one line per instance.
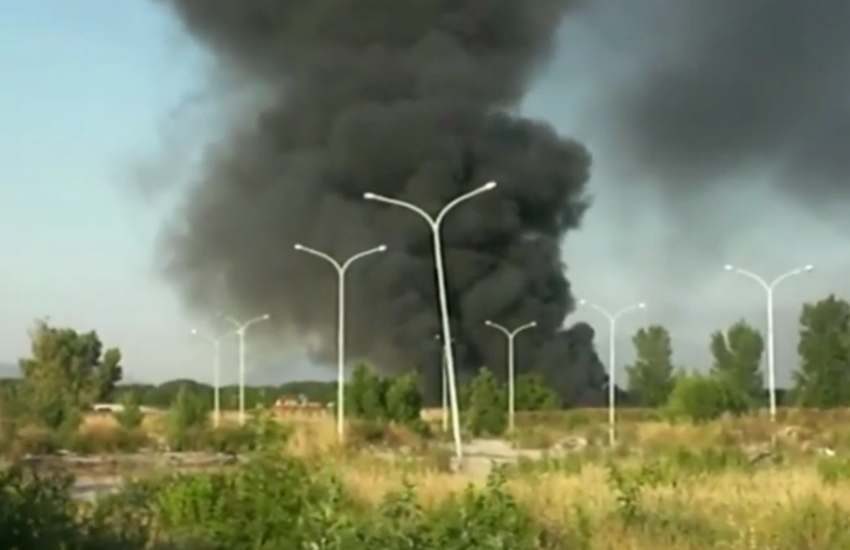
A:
(106, 439)
(366, 394)
(404, 402)
(487, 413)
(36, 512)
(131, 416)
(34, 439)
(532, 394)
(702, 398)
(187, 421)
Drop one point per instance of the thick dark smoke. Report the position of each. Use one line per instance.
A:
(410, 99)
(725, 89)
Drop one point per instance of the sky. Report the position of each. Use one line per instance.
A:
(102, 125)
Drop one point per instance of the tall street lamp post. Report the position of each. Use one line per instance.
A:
(435, 223)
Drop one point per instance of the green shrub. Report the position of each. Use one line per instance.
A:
(131, 416)
(486, 414)
(366, 394)
(187, 421)
(403, 400)
(36, 512)
(532, 394)
(702, 398)
(107, 439)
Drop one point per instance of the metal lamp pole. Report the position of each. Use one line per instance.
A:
(216, 374)
(510, 334)
(436, 224)
(240, 331)
(612, 348)
(341, 269)
(769, 287)
(445, 385)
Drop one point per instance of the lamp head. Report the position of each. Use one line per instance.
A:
(382, 248)
(299, 246)
(267, 316)
(729, 267)
(489, 185)
(369, 196)
(809, 267)
(582, 302)
(488, 322)
(532, 324)
(194, 332)
(642, 305)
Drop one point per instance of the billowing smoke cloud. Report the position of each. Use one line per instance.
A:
(409, 99)
(717, 90)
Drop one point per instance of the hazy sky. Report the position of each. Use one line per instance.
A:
(99, 96)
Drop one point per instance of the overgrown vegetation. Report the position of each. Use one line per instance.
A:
(391, 399)
(701, 397)
(486, 410)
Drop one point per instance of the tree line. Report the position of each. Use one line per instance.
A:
(734, 382)
(68, 371)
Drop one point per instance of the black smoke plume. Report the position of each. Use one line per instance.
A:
(724, 90)
(414, 100)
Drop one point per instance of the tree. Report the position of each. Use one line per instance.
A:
(67, 373)
(702, 398)
(187, 419)
(651, 377)
(131, 416)
(403, 399)
(737, 358)
(532, 394)
(824, 376)
(487, 412)
(366, 395)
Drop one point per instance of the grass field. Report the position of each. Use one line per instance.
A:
(735, 483)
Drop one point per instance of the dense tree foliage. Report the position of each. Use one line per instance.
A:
(824, 376)
(651, 377)
(737, 358)
(130, 417)
(403, 399)
(67, 372)
(372, 397)
(486, 410)
(702, 397)
(532, 394)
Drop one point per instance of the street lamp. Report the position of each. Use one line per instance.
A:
(436, 224)
(510, 334)
(240, 331)
(769, 287)
(341, 269)
(445, 385)
(216, 342)
(612, 338)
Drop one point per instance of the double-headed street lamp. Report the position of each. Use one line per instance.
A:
(510, 334)
(240, 331)
(341, 269)
(612, 338)
(216, 343)
(769, 287)
(436, 224)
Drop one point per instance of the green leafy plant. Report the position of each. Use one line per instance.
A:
(187, 421)
(130, 416)
(486, 412)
